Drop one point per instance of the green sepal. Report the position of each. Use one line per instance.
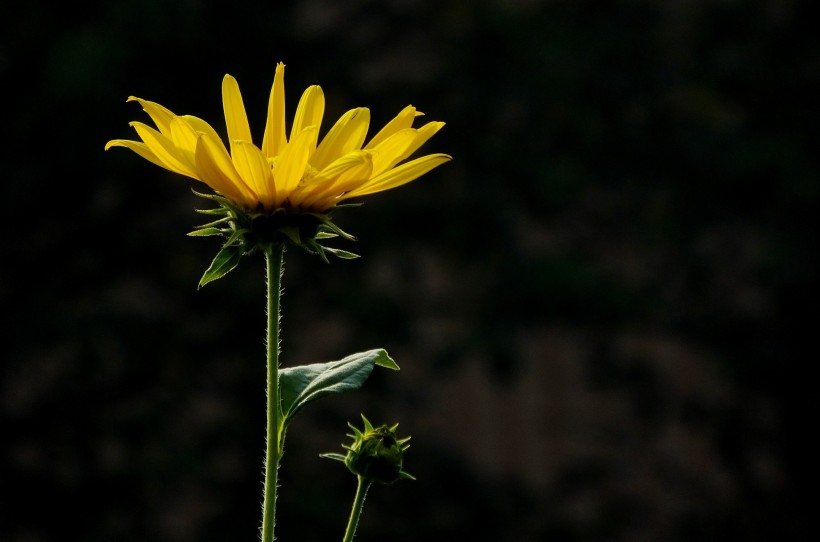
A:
(292, 234)
(343, 254)
(303, 384)
(235, 236)
(222, 200)
(334, 456)
(225, 261)
(332, 227)
(222, 220)
(206, 232)
(215, 211)
(252, 230)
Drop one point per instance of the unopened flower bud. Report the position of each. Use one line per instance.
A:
(375, 454)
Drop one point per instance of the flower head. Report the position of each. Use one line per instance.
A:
(281, 191)
(375, 453)
(295, 172)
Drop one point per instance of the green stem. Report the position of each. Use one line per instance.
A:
(273, 453)
(356, 512)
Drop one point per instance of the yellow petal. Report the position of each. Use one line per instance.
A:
(346, 135)
(403, 120)
(159, 114)
(164, 149)
(292, 162)
(389, 152)
(139, 148)
(275, 139)
(216, 169)
(255, 170)
(309, 111)
(235, 117)
(339, 166)
(398, 176)
(328, 176)
(358, 167)
(200, 126)
(184, 137)
(423, 134)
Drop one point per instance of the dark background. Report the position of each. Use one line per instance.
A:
(600, 306)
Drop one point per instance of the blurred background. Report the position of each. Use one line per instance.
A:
(600, 307)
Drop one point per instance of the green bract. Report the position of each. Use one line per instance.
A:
(247, 232)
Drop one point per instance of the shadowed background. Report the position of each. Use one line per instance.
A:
(599, 306)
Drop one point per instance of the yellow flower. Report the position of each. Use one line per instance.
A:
(297, 173)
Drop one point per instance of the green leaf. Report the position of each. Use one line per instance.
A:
(305, 383)
(225, 261)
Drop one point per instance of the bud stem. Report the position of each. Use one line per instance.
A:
(274, 257)
(358, 504)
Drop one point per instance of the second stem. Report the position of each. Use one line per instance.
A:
(356, 511)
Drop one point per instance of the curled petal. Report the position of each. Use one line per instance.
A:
(165, 150)
(200, 126)
(139, 148)
(160, 115)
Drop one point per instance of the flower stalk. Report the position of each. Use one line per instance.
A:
(358, 505)
(274, 258)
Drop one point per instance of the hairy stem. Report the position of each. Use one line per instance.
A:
(356, 512)
(273, 259)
